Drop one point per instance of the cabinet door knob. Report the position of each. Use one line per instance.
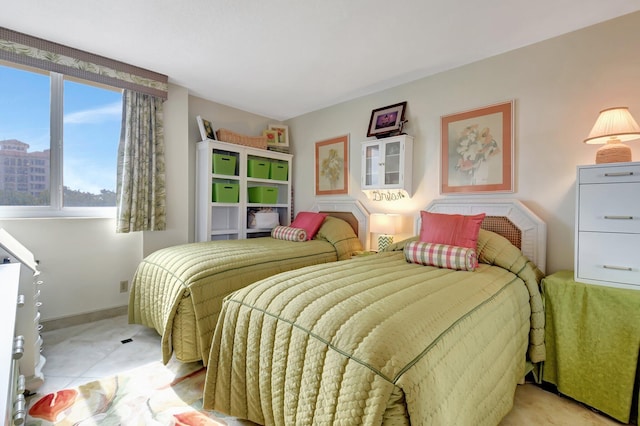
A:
(20, 300)
(619, 217)
(617, 268)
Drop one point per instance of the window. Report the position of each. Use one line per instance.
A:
(58, 144)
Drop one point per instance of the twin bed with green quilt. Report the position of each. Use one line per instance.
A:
(381, 340)
(179, 290)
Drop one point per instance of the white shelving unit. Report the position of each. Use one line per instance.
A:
(227, 219)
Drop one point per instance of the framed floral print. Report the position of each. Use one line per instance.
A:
(283, 134)
(332, 166)
(272, 137)
(477, 150)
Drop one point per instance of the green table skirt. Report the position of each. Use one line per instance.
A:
(593, 342)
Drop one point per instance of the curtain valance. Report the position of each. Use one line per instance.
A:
(35, 52)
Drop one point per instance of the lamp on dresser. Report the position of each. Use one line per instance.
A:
(613, 126)
(386, 226)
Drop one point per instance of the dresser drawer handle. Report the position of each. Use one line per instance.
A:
(619, 217)
(617, 268)
(19, 410)
(618, 174)
(18, 347)
(22, 384)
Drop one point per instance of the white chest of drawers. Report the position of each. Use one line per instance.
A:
(12, 401)
(608, 225)
(28, 316)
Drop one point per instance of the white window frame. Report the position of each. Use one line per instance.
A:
(55, 209)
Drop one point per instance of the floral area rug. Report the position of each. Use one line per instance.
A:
(149, 395)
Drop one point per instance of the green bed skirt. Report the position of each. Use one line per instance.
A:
(593, 341)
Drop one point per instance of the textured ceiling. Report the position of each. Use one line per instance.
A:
(284, 58)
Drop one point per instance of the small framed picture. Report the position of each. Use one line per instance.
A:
(283, 134)
(332, 166)
(387, 120)
(272, 137)
(206, 129)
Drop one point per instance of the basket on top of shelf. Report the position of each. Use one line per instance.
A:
(225, 135)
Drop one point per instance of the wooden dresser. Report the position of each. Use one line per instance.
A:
(608, 225)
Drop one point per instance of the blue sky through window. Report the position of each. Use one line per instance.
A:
(92, 119)
(92, 123)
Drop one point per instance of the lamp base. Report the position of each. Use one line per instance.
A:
(384, 241)
(615, 152)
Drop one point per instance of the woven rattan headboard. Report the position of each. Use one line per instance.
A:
(509, 218)
(503, 226)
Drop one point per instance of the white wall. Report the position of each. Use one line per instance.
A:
(82, 262)
(559, 86)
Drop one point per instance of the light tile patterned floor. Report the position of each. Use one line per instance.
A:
(82, 353)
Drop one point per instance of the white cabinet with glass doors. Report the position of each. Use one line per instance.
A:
(386, 163)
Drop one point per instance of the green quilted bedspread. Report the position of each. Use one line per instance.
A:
(179, 290)
(378, 340)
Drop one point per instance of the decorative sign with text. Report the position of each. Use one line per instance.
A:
(386, 194)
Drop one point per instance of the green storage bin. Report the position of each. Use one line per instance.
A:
(279, 170)
(224, 164)
(225, 192)
(258, 168)
(263, 194)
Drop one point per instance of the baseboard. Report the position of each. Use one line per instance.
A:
(83, 318)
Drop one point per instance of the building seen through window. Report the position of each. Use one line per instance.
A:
(58, 140)
(24, 175)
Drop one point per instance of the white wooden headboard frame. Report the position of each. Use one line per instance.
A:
(351, 206)
(533, 229)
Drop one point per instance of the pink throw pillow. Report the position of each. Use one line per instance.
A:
(309, 221)
(451, 229)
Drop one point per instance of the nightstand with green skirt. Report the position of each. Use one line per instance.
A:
(592, 336)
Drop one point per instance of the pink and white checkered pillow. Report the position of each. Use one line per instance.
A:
(288, 233)
(441, 255)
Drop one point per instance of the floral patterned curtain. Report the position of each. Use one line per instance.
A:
(141, 169)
